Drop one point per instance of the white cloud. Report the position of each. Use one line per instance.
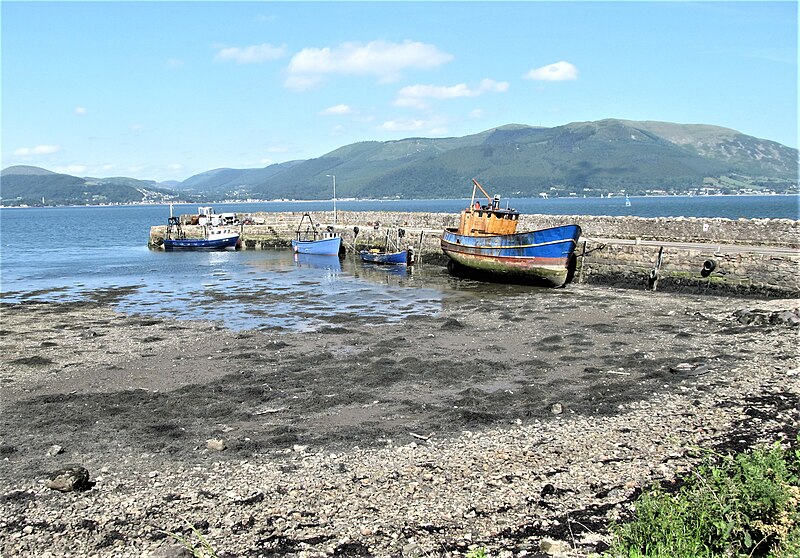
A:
(174, 63)
(336, 110)
(560, 71)
(477, 113)
(379, 58)
(416, 96)
(174, 167)
(80, 110)
(38, 150)
(252, 54)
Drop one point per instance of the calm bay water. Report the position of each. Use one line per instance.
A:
(71, 253)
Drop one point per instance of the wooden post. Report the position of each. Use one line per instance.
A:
(652, 280)
(583, 257)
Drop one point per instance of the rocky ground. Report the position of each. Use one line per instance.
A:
(523, 422)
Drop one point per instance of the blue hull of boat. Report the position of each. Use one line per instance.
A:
(322, 247)
(392, 258)
(543, 255)
(200, 244)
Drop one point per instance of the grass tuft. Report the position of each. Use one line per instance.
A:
(201, 549)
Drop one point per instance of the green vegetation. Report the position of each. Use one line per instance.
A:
(742, 505)
(202, 549)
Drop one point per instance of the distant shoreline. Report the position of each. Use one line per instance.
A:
(394, 200)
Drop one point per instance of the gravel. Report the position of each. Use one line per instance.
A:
(542, 476)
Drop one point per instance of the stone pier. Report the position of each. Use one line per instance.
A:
(749, 257)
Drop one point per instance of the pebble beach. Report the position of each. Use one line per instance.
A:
(523, 424)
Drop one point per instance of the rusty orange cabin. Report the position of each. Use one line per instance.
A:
(487, 219)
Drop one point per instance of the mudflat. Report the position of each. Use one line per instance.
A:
(503, 422)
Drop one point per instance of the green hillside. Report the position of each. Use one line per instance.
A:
(581, 158)
(23, 185)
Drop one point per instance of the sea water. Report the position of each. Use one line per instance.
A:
(77, 253)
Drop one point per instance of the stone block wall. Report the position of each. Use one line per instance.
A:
(735, 272)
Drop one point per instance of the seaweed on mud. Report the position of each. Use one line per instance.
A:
(165, 429)
(112, 295)
(35, 360)
(472, 418)
(283, 435)
(333, 330)
(143, 322)
(601, 328)
(772, 416)
(451, 324)
(17, 496)
(152, 339)
(251, 446)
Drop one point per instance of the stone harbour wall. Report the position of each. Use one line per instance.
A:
(743, 273)
(751, 257)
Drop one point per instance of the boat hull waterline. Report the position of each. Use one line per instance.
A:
(230, 241)
(542, 255)
(321, 247)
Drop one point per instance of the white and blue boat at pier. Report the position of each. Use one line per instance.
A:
(315, 242)
(214, 237)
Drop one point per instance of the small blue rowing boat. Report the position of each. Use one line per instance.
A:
(378, 257)
(486, 241)
(312, 241)
(391, 254)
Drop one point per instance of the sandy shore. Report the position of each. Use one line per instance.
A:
(502, 422)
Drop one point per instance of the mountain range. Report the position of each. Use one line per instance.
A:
(585, 158)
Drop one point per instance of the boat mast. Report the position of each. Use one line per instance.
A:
(477, 185)
(334, 197)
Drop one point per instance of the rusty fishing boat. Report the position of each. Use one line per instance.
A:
(487, 243)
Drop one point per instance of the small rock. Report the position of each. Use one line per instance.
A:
(554, 548)
(556, 408)
(55, 450)
(216, 444)
(71, 477)
(172, 551)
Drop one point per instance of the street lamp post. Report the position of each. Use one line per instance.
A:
(334, 197)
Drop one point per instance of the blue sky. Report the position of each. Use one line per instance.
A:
(164, 90)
